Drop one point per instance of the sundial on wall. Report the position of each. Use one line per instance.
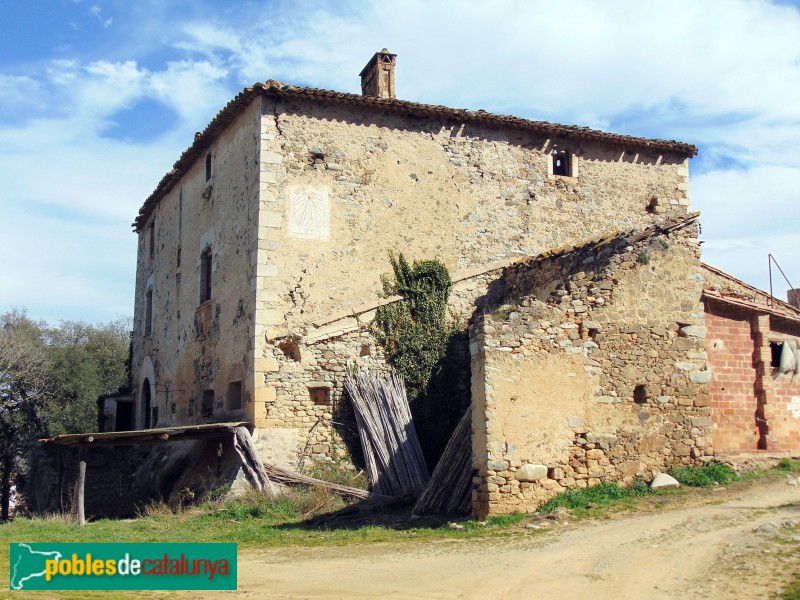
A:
(309, 212)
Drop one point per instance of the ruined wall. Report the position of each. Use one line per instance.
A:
(197, 347)
(307, 418)
(594, 370)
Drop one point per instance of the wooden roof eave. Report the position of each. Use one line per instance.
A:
(146, 436)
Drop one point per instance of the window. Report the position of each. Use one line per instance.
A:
(235, 395)
(207, 404)
(151, 235)
(561, 163)
(640, 394)
(209, 165)
(206, 262)
(776, 348)
(148, 312)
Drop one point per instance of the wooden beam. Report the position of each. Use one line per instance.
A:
(251, 461)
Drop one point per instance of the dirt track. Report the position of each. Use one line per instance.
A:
(705, 550)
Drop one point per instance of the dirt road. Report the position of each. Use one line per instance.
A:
(708, 549)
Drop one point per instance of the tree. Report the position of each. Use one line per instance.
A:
(86, 362)
(50, 381)
(24, 389)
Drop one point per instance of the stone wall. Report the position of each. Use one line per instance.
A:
(593, 370)
(307, 417)
(196, 347)
(340, 190)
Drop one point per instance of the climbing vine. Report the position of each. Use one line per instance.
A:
(414, 330)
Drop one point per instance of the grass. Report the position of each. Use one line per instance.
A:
(255, 520)
(599, 496)
(792, 591)
(711, 474)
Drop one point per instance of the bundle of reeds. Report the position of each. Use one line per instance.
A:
(450, 488)
(394, 460)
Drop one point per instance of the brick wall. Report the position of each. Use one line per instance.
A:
(734, 402)
(783, 400)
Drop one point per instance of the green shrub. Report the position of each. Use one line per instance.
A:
(713, 473)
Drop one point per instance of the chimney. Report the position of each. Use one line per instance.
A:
(793, 297)
(377, 78)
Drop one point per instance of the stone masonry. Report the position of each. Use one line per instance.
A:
(593, 369)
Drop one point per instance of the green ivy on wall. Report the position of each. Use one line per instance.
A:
(414, 330)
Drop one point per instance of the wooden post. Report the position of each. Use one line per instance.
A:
(80, 517)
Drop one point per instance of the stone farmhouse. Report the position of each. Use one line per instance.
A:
(600, 348)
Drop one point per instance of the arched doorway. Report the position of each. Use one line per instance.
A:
(147, 405)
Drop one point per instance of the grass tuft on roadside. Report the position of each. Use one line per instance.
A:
(711, 474)
(599, 496)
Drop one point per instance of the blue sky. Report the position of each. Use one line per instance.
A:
(98, 99)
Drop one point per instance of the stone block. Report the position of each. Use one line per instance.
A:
(575, 422)
(271, 158)
(693, 331)
(700, 377)
(662, 480)
(268, 364)
(531, 472)
(270, 219)
(702, 400)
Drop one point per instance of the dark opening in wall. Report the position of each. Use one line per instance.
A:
(151, 234)
(315, 157)
(320, 393)
(209, 166)
(206, 263)
(235, 395)
(640, 394)
(593, 333)
(148, 313)
(561, 163)
(652, 205)
(207, 404)
(290, 349)
(776, 348)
